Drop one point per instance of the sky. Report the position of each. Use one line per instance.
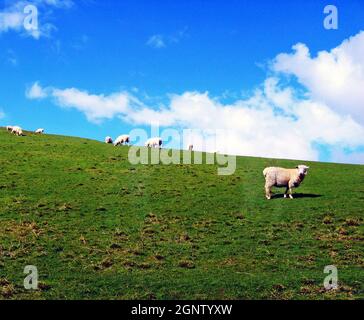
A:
(267, 74)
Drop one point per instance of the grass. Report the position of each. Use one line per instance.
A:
(97, 227)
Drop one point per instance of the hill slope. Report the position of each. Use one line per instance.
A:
(97, 227)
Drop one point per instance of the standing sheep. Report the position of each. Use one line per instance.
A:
(280, 177)
(39, 131)
(17, 131)
(154, 143)
(121, 140)
(108, 140)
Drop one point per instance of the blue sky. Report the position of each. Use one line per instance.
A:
(167, 55)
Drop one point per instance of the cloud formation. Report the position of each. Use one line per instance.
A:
(36, 92)
(334, 77)
(159, 41)
(96, 107)
(12, 16)
(156, 41)
(271, 123)
(275, 121)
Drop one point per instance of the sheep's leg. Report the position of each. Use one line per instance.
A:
(286, 192)
(268, 193)
(290, 191)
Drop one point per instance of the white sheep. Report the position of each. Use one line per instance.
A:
(108, 140)
(39, 131)
(154, 142)
(122, 139)
(281, 177)
(9, 128)
(17, 131)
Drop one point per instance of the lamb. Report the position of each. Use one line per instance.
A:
(17, 131)
(39, 131)
(121, 140)
(9, 128)
(280, 177)
(108, 140)
(154, 142)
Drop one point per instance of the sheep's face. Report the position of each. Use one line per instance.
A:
(302, 169)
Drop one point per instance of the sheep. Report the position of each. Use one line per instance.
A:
(190, 147)
(280, 177)
(9, 128)
(17, 131)
(154, 143)
(121, 140)
(39, 131)
(108, 140)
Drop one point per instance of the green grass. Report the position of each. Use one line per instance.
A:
(97, 227)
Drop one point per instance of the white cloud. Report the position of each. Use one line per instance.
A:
(335, 78)
(275, 121)
(159, 41)
(95, 107)
(156, 41)
(36, 92)
(2, 114)
(12, 16)
(11, 20)
(271, 123)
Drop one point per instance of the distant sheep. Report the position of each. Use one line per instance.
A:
(121, 140)
(190, 147)
(108, 140)
(280, 177)
(17, 131)
(39, 131)
(154, 143)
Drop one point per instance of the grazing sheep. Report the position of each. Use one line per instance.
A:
(190, 147)
(9, 128)
(121, 140)
(39, 131)
(17, 131)
(280, 177)
(108, 140)
(154, 143)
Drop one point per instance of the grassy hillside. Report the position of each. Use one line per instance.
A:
(97, 227)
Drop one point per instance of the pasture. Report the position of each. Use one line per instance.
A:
(97, 227)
